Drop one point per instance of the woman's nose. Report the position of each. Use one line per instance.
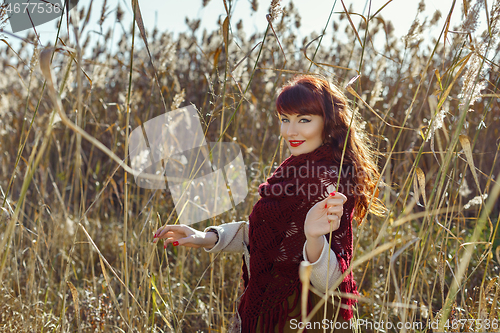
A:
(292, 129)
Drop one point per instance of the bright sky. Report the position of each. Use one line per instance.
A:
(170, 15)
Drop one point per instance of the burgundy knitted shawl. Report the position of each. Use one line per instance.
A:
(277, 238)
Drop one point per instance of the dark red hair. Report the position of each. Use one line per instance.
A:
(307, 94)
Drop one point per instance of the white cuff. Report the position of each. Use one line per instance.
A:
(233, 237)
(323, 252)
(320, 267)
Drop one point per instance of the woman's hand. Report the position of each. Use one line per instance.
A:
(186, 236)
(324, 216)
(321, 218)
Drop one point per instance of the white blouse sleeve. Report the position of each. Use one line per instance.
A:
(320, 267)
(232, 237)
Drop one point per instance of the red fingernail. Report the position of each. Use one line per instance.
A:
(332, 194)
(175, 243)
(165, 246)
(326, 205)
(154, 236)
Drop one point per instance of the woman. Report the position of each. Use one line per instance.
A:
(292, 220)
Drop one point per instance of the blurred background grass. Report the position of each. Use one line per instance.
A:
(77, 252)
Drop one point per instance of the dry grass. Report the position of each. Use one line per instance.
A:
(76, 230)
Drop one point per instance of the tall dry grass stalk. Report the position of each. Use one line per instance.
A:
(76, 231)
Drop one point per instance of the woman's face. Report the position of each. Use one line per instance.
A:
(302, 133)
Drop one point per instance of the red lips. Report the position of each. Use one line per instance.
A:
(296, 143)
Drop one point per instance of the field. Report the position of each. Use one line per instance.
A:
(76, 230)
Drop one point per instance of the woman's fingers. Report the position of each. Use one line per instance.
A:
(335, 199)
(179, 234)
(339, 195)
(335, 210)
(334, 220)
(335, 202)
(332, 217)
(189, 241)
(169, 241)
(325, 215)
(176, 241)
(162, 232)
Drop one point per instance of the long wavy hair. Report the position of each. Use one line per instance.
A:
(307, 94)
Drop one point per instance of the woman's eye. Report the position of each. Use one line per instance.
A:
(303, 120)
